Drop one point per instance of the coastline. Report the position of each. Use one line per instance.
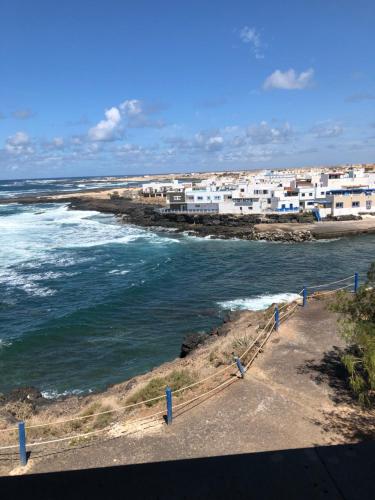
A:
(276, 381)
(130, 208)
(201, 355)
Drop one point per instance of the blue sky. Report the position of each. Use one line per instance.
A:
(97, 88)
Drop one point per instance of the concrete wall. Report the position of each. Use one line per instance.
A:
(366, 204)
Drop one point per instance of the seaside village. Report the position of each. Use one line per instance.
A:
(326, 192)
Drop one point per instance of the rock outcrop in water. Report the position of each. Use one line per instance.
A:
(20, 403)
(194, 340)
(296, 227)
(224, 226)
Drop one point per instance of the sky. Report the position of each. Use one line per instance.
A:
(124, 88)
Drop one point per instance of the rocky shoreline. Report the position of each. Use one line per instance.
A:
(28, 403)
(294, 228)
(204, 225)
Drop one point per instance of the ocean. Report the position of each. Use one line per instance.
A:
(32, 187)
(86, 302)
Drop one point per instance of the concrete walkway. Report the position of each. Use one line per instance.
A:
(324, 229)
(291, 399)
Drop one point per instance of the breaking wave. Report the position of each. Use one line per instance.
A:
(258, 302)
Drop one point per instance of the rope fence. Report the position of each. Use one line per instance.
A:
(240, 363)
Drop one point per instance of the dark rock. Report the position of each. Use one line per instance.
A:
(191, 342)
(132, 383)
(31, 394)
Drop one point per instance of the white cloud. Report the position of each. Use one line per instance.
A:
(18, 143)
(131, 107)
(252, 37)
(208, 141)
(131, 113)
(327, 129)
(55, 143)
(107, 129)
(137, 114)
(289, 80)
(265, 134)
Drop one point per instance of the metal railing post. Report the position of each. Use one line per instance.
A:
(277, 318)
(304, 296)
(22, 443)
(356, 282)
(240, 367)
(168, 394)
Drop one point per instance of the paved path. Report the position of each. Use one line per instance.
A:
(285, 402)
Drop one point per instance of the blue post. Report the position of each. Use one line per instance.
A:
(168, 393)
(304, 295)
(22, 443)
(356, 282)
(240, 367)
(277, 318)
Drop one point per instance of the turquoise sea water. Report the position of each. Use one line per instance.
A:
(86, 302)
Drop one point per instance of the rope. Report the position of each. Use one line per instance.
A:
(282, 317)
(56, 440)
(76, 436)
(227, 367)
(87, 416)
(205, 393)
(332, 282)
(257, 338)
(115, 410)
(325, 292)
(204, 379)
(258, 350)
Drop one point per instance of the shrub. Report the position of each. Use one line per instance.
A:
(358, 329)
(156, 386)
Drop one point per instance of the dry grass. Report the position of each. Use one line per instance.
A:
(156, 386)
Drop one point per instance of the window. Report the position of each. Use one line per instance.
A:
(368, 204)
(242, 190)
(303, 195)
(250, 208)
(339, 205)
(200, 198)
(217, 197)
(310, 194)
(268, 200)
(283, 205)
(355, 204)
(322, 192)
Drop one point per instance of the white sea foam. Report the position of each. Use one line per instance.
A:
(118, 271)
(54, 394)
(324, 240)
(12, 278)
(257, 303)
(5, 343)
(34, 236)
